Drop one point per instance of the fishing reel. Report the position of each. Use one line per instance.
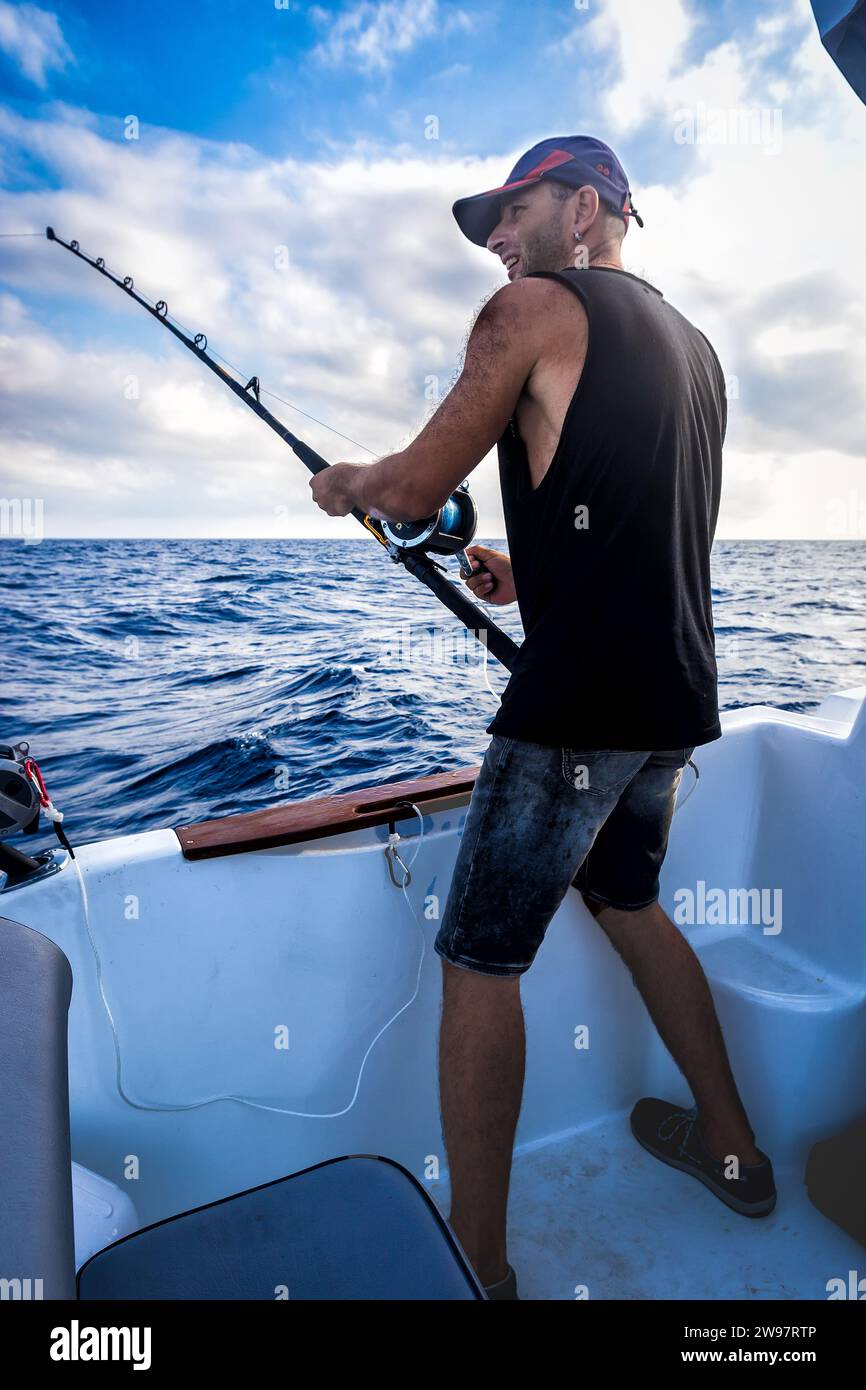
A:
(23, 798)
(447, 532)
(19, 802)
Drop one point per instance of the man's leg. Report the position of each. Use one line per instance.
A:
(482, 1052)
(674, 987)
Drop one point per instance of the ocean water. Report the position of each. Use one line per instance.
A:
(161, 682)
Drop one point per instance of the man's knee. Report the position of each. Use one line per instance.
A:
(460, 980)
(597, 908)
(623, 926)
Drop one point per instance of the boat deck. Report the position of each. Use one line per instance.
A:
(594, 1209)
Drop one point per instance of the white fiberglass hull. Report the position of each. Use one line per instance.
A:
(266, 976)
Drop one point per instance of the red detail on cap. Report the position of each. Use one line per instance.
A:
(555, 158)
(552, 161)
(603, 169)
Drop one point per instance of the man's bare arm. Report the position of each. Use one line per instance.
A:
(501, 353)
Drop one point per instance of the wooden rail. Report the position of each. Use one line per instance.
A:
(295, 821)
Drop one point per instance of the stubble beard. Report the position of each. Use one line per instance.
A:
(546, 251)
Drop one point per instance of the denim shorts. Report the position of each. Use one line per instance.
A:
(542, 818)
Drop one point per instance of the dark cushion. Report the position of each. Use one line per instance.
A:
(352, 1228)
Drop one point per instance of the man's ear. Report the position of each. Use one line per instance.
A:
(588, 203)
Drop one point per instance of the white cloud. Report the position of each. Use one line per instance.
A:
(34, 40)
(371, 35)
(375, 300)
(747, 239)
(767, 495)
(648, 40)
(380, 288)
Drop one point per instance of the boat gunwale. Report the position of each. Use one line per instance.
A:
(313, 818)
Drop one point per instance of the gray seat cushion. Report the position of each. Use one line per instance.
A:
(36, 1236)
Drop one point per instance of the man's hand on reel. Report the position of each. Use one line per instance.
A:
(495, 583)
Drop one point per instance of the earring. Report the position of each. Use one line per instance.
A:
(577, 236)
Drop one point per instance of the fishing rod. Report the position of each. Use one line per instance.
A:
(446, 532)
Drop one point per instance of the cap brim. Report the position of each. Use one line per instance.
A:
(477, 216)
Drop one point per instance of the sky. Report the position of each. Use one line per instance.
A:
(282, 175)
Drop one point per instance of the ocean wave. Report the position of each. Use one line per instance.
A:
(266, 671)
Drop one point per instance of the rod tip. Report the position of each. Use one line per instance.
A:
(49, 232)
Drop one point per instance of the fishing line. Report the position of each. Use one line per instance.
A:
(265, 391)
(168, 1108)
(237, 371)
(497, 697)
(691, 789)
(447, 531)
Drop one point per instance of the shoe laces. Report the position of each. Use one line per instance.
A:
(684, 1120)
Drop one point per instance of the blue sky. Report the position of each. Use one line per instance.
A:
(307, 128)
(234, 70)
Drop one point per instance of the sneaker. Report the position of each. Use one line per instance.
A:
(674, 1136)
(506, 1288)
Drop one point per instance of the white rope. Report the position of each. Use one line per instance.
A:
(164, 1108)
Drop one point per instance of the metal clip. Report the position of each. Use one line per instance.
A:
(391, 853)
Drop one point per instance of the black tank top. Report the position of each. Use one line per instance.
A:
(611, 552)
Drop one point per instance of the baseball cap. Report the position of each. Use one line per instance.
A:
(571, 159)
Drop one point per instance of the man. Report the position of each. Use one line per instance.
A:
(608, 408)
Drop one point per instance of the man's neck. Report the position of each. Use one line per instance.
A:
(604, 257)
